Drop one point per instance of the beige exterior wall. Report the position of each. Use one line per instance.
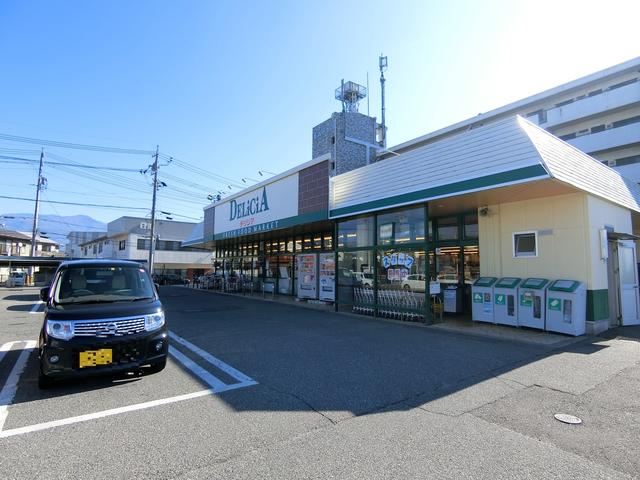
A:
(568, 237)
(601, 214)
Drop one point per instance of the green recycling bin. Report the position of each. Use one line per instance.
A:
(531, 298)
(482, 299)
(567, 307)
(505, 296)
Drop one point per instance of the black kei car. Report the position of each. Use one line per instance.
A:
(101, 317)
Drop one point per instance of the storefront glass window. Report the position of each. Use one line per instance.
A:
(307, 243)
(404, 226)
(448, 228)
(285, 274)
(447, 265)
(356, 233)
(471, 264)
(355, 282)
(290, 246)
(328, 242)
(298, 244)
(471, 226)
(402, 281)
(317, 242)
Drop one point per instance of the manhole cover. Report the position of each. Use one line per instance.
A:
(566, 418)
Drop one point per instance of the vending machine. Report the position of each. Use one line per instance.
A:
(307, 280)
(327, 277)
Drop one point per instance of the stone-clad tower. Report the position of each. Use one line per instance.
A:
(350, 137)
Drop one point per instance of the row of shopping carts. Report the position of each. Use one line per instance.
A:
(397, 304)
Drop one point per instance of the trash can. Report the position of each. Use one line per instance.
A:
(452, 299)
(567, 307)
(531, 295)
(505, 295)
(482, 299)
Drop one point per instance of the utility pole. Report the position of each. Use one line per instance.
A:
(153, 209)
(34, 230)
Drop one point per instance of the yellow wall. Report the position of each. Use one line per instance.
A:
(568, 237)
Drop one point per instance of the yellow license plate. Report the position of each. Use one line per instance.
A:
(93, 358)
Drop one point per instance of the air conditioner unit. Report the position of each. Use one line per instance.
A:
(608, 126)
(611, 163)
(580, 133)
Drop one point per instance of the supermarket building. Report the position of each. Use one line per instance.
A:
(373, 230)
(505, 199)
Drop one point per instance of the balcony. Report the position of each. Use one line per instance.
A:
(607, 139)
(590, 106)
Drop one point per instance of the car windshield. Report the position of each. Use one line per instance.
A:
(102, 284)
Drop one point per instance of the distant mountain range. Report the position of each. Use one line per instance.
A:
(56, 227)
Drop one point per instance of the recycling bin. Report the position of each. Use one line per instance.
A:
(531, 298)
(505, 295)
(482, 303)
(567, 307)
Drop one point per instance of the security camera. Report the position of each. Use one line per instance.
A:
(483, 211)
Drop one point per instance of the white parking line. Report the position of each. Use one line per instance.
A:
(4, 349)
(11, 385)
(36, 306)
(241, 377)
(217, 386)
(104, 413)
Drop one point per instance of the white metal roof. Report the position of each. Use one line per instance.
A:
(505, 152)
(570, 165)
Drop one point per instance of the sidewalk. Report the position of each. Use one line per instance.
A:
(459, 324)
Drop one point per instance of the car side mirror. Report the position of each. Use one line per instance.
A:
(44, 293)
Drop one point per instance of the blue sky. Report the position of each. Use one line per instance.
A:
(236, 87)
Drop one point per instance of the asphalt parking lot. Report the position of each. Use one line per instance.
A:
(262, 390)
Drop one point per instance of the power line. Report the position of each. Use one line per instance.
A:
(187, 182)
(200, 171)
(76, 146)
(74, 203)
(75, 165)
(19, 151)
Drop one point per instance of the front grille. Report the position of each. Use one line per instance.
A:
(109, 328)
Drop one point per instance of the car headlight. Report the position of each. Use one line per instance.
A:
(62, 330)
(153, 321)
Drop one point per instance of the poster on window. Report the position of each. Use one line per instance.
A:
(307, 275)
(327, 277)
(398, 266)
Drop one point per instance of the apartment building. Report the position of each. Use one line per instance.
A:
(599, 114)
